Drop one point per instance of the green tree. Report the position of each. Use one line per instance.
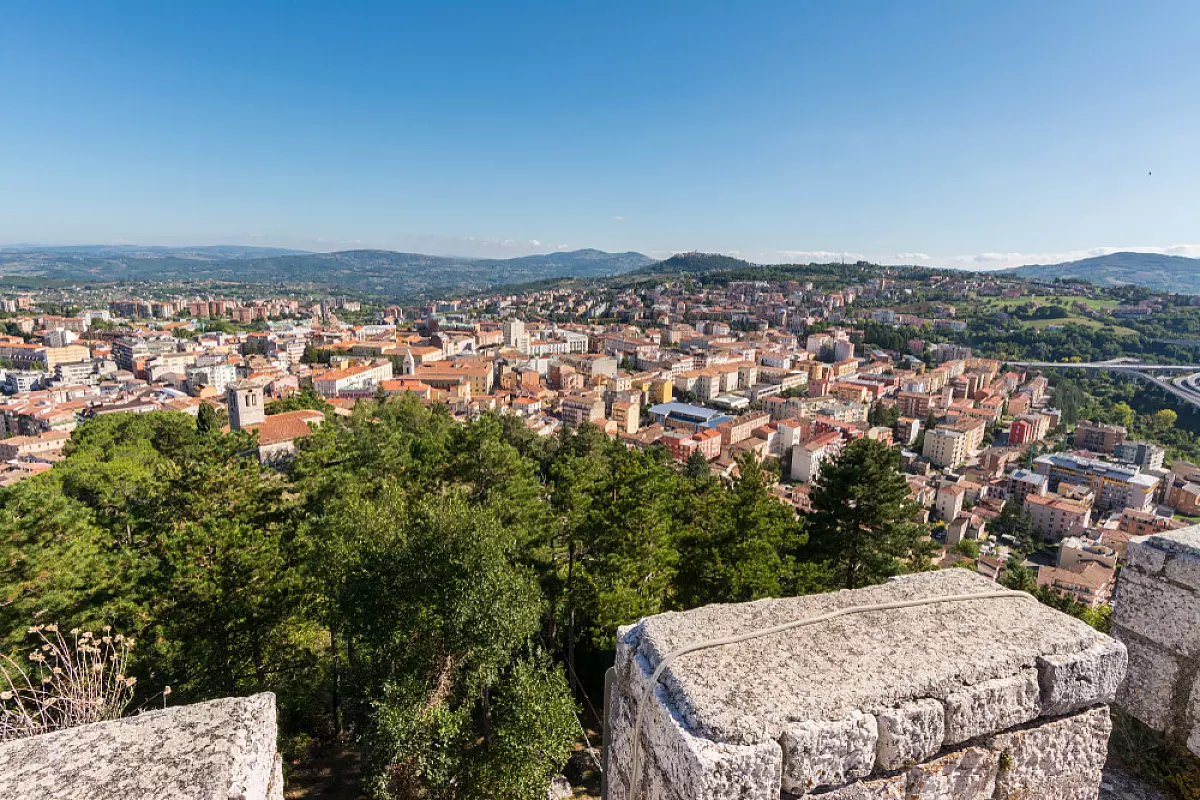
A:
(862, 526)
(207, 419)
(1122, 414)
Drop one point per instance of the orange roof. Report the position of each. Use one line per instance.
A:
(285, 427)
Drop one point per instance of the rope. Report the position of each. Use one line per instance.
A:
(635, 758)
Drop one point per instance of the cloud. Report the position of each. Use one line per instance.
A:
(618, 218)
(914, 258)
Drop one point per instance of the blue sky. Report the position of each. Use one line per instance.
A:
(957, 133)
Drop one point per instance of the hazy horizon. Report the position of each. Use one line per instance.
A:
(940, 133)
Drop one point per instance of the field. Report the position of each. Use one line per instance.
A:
(1042, 324)
(1047, 300)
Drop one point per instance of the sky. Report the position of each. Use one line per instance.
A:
(957, 133)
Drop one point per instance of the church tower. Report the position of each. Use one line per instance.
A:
(245, 403)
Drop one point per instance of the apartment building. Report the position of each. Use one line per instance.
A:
(945, 447)
(1098, 438)
(808, 456)
(1116, 486)
(1057, 517)
(578, 409)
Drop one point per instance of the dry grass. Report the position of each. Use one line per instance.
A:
(68, 681)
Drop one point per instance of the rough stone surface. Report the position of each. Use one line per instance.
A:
(1078, 680)
(828, 753)
(909, 734)
(1160, 611)
(1058, 760)
(220, 750)
(676, 764)
(968, 774)
(1157, 614)
(863, 662)
(893, 703)
(559, 789)
(1149, 691)
(991, 706)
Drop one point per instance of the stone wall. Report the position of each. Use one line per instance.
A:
(1156, 614)
(220, 750)
(983, 699)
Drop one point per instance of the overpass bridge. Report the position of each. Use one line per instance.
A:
(1185, 386)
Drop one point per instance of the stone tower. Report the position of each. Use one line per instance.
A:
(245, 403)
(410, 364)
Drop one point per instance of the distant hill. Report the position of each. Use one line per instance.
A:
(695, 263)
(400, 276)
(1152, 270)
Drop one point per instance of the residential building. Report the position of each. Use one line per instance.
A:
(1056, 517)
(1116, 486)
(578, 409)
(807, 456)
(1098, 438)
(945, 447)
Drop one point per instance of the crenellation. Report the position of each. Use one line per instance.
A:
(1157, 616)
(978, 698)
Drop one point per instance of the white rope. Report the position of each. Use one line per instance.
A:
(635, 758)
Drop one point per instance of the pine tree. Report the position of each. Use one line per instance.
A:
(207, 420)
(862, 527)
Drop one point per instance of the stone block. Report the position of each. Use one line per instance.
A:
(1193, 742)
(1073, 681)
(909, 734)
(217, 750)
(1060, 759)
(817, 754)
(1159, 611)
(1142, 554)
(675, 764)
(1148, 691)
(1183, 568)
(968, 774)
(991, 706)
(862, 705)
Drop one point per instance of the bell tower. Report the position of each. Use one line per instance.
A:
(245, 403)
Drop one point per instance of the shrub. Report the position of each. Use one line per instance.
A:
(66, 682)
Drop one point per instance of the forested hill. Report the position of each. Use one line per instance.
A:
(403, 277)
(1153, 270)
(695, 263)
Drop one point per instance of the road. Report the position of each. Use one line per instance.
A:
(1185, 386)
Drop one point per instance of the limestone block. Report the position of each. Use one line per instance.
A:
(208, 751)
(991, 706)
(676, 764)
(1077, 680)
(909, 734)
(1057, 760)
(968, 774)
(1160, 611)
(817, 754)
(1142, 554)
(1184, 568)
(1148, 692)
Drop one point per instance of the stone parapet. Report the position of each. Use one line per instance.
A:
(995, 699)
(1156, 614)
(220, 750)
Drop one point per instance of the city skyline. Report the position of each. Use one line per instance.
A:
(940, 135)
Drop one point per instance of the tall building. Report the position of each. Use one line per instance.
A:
(515, 335)
(1116, 486)
(1098, 438)
(244, 401)
(945, 447)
